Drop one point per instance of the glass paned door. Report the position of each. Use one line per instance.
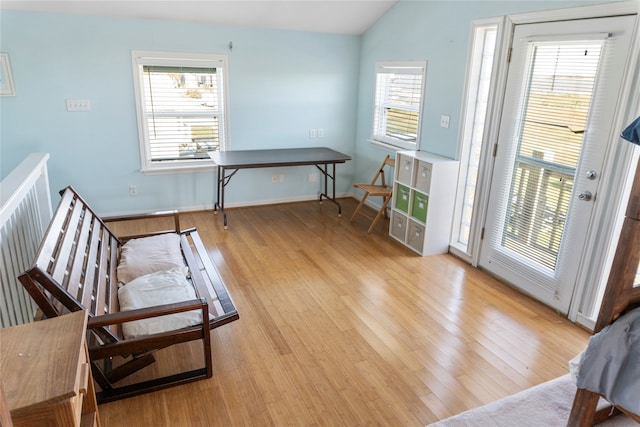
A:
(555, 128)
(553, 117)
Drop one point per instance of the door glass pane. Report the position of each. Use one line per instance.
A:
(553, 117)
(476, 113)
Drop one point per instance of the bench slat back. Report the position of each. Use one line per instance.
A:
(79, 257)
(76, 272)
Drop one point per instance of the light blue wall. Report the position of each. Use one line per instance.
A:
(437, 32)
(281, 84)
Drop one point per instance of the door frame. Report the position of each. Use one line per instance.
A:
(596, 258)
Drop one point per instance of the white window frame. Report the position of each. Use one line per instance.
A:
(140, 59)
(377, 135)
(469, 129)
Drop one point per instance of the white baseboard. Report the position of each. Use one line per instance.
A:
(209, 206)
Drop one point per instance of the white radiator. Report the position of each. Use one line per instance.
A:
(24, 217)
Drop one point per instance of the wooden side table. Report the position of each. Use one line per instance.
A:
(45, 373)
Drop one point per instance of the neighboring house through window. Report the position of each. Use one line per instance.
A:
(181, 102)
(398, 103)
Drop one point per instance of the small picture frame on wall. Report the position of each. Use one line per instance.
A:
(6, 81)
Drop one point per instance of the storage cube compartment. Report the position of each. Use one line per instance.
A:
(422, 178)
(398, 226)
(419, 206)
(402, 198)
(415, 236)
(423, 197)
(404, 169)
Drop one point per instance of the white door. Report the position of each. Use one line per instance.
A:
(561, 96)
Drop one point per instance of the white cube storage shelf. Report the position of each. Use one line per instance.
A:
(423, 201)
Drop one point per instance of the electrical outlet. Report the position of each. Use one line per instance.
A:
(444, 121)
(133, 190)
(313, 177)
(274, 178)
(78, 105)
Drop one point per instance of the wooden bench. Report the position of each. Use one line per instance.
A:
(75, 269)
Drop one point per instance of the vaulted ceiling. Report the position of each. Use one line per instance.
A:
(326, 16)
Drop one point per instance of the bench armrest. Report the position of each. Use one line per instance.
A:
(154, 341)
(147, 312)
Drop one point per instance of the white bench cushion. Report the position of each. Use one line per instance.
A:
(163, 287)
(149, 255)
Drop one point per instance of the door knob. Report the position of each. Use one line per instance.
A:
(585, 195)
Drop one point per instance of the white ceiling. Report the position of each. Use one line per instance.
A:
(326, 16)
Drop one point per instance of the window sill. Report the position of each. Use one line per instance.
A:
(391, 147)
(172, 167)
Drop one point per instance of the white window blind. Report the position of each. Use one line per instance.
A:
(181, 108)
(398, 103)
(553, 115)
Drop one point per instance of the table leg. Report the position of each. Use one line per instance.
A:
(325, 194)
(224, 184)
(334, 191)
(216, 202)
(223, 180)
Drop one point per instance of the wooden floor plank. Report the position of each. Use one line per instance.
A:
(340, 327)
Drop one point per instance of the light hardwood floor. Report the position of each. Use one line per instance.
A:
(341, 328)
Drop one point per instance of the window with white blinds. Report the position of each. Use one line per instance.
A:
(554, 112)
(181, 108)
(398, 103)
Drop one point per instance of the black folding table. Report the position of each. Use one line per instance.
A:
(234, 160)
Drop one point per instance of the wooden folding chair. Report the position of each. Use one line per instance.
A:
(381, 189)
